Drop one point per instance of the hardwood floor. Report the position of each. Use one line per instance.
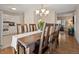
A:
(8, 50)
(67, 45)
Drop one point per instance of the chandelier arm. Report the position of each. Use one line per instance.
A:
(42, 11)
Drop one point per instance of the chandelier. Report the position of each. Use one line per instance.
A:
(42, 11)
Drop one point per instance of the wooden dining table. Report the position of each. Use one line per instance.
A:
(25, 42)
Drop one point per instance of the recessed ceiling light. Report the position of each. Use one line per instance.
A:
(13, 8)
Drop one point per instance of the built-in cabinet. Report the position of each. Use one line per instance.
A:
(8, 22)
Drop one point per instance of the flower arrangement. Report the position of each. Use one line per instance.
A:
(40, 24)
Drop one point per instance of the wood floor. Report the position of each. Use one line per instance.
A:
(67, 45)
(8, 50)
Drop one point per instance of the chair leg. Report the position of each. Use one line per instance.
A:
(57, 43)
(18, 48)
(24, 51)
(15, 52)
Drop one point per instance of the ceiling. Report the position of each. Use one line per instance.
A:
(59, 8)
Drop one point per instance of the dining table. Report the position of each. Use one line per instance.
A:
(28, 41)
(25, 38)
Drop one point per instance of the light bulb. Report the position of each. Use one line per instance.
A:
(43, 10)
(13, 8)
(37, 11)
(47, 12)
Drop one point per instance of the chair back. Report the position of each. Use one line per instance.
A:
(57, 27)
(25, 28)
(53, 39)
(47, 31)
(19, 29)
(32, 27)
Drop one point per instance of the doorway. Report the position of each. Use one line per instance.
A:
(67, 24)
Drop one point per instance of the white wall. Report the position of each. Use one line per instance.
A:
(29, 16)
(77, 25)
(1, 28)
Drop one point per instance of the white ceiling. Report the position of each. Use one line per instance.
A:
(59, 8)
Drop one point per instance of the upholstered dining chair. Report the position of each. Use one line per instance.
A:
(25, 28)
(19, 29)
(32, 27)
(54, 40)
(49, 39)
(57, 27)
(44, 42)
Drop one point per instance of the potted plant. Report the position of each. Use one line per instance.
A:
(71, 30)
(40, 24)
